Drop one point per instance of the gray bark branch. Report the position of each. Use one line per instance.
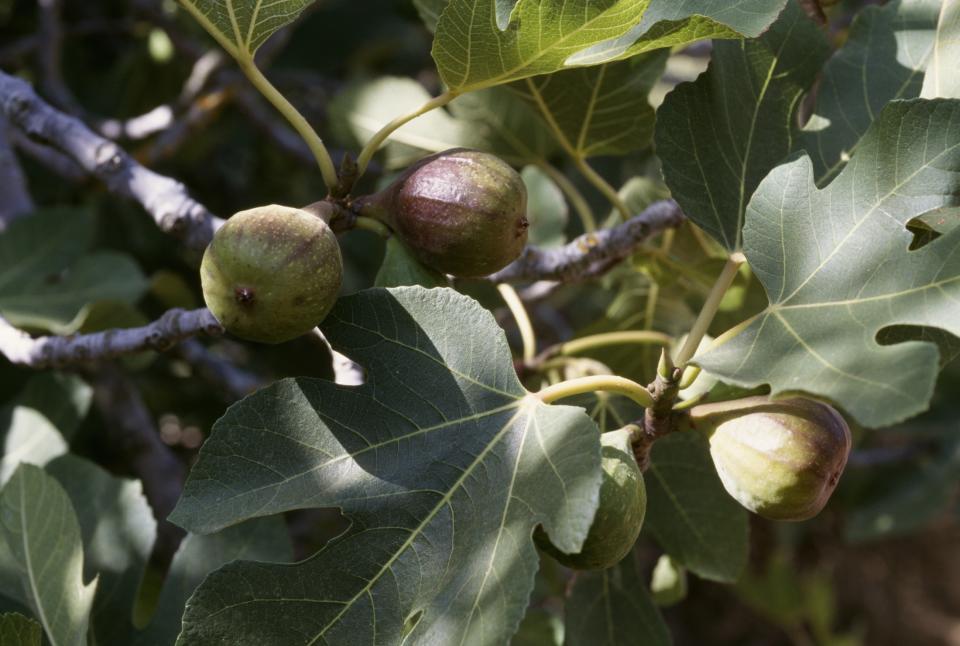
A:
(165, 199)
(15, 200)
(57, 351)
(591, 253)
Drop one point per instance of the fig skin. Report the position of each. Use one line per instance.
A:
(271, 273)
(780, 459)
(462, 212)
(620, 511)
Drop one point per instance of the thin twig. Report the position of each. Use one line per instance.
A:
(49, 157)
(165, 199)
(48, 351)
(235, 382)
(591, 253)
(15, 199)
(49, 58)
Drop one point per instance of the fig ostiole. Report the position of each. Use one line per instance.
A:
(620, 511)
(272, 273)
(462, 212)
(781, 459)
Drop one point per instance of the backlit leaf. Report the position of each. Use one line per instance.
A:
(241, 26)
(600, 110)
(489, 42)
(943, 75)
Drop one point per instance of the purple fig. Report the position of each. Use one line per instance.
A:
(462, 212)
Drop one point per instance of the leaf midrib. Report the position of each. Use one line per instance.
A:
(419, 529)
(31, 577)
(371, 447)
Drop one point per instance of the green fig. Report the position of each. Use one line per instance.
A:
(780, 459)
(271, 273)
(462, 212)
(620, 511)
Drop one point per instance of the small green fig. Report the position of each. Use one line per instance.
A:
(271, 273)
(462, 212)
(780, 459)
(620, 511)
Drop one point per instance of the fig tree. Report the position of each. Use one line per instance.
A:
(620, 511)
(780, 459)
(271, 273)
(462, 212)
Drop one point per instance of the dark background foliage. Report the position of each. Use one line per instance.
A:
(878, 567)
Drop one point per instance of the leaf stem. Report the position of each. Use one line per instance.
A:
(709, 309)
(609, 383)
(381, 135)
(512, 299)
(603, 186)
(580, 204)
(297, 120)
(613, 338)
(369, 224)
(690, 403)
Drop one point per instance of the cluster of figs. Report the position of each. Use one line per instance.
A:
(273, 273)
(781, 459)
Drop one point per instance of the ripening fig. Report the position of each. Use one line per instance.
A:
(620, 510)
(462, 212)
(780, 459)
(271, 273)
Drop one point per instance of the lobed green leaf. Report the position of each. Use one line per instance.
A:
(720, 135)
(242, 26)
(441, 460)
(489, 42)
(837, 269)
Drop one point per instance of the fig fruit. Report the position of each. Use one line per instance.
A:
(462, 212)
(620, 511)
(271, 273)
(780, 459)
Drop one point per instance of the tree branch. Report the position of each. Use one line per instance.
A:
(591, 253)
(235, 382)
(131, 431)
(165, 199)
(49, 351)
(52, 158)
(15, 200)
